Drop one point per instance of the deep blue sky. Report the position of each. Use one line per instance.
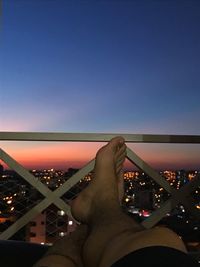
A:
(100, 66)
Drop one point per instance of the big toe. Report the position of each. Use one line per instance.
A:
(113, 146)
(116, 143)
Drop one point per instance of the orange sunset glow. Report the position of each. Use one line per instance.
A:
(64, 155)
(53, 155)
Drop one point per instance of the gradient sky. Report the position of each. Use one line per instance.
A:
(100, 66)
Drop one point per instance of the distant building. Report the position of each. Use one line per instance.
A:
(36, 230)
(181, 176)
(144, 199)
(50, 226)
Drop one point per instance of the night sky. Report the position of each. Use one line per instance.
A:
(100, 66)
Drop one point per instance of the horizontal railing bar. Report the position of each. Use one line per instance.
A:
(98, 137)
(55, 196)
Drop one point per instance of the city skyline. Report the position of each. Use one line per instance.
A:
(142, 197)
(106, 66)
(77, 162)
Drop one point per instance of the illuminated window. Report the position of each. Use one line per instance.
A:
(62, 234)
(61, 212)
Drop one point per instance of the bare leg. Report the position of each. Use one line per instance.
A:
(55, 261)
(99, 206)
(112, 233)
(67, 251)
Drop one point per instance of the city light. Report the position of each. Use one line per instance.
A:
(61, 212)
(62, 234)
(142, 195)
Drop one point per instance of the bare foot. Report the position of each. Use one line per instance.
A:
(106, 184)
(120, 180)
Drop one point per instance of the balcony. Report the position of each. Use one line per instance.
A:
(41, 204)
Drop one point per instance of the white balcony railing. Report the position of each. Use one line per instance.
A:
(55, 197)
